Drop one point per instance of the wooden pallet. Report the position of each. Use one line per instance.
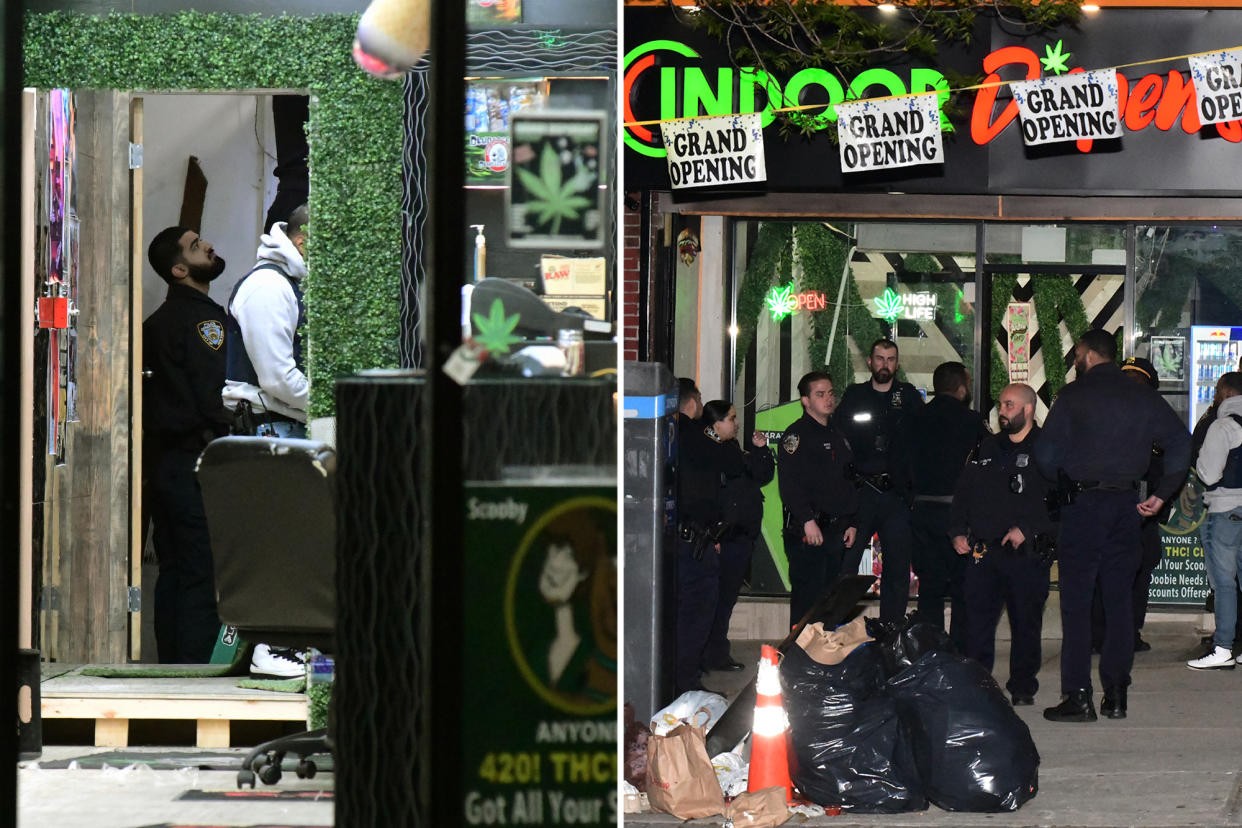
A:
(211, 702)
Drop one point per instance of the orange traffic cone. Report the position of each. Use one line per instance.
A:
(769, 746)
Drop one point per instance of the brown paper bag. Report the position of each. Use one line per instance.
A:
(680, 777)
(761, 809)
(832, 646)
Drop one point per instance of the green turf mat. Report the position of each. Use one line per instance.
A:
(290, 685)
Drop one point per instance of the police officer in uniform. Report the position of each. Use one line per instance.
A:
(936, 444)
(871, 416)
(743, 473)
(703, 468)
(1097, 445)
(184, 355)
(819, 496)
(1001, 528)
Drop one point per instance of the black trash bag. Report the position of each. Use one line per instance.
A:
(904, 642)
(972, 750)
(849, 746)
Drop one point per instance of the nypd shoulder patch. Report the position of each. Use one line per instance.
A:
(790, 443)
(211, 332)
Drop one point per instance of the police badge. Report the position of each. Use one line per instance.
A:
(896, 398)
(211, 332)
(791, 443)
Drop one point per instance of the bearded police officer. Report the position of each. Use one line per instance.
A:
(1097, 445)
(818, 494)
(184, 357)
(871, 416)
(1000, 527)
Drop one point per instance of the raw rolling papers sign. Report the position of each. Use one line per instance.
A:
(1082, 105)
(709, 152)
(893, 132)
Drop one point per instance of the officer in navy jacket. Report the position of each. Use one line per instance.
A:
(872, 415)
(815, 476)
(184, 360)
(1097, 444)
(1000, 526)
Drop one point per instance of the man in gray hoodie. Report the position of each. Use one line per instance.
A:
(1220, 469)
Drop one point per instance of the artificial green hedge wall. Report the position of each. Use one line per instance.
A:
(355, 134)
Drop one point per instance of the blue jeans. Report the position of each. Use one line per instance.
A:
(1222, 548)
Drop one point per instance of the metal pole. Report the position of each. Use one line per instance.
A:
(443, 592)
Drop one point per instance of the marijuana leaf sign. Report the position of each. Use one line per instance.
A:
(781, 302)
(890, 305)
(553, 200)
(1055, 62)
(496, 329)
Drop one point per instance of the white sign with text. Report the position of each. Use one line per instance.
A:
(1081, 105)
(711, 152)
(890, 132)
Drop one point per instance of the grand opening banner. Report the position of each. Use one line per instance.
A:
(671, 70)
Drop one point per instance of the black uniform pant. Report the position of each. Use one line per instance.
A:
(1019, 585)
(939, 567)
(733, 562)
(186, 624)
(698, 589)
(885, 513)
(812, 569)
(1152, 549)
(1099, 545)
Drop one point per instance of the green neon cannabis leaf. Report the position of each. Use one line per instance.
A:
(496, 329)
(554, 200)
(890, 305)
(1055, 62)
(781, 302)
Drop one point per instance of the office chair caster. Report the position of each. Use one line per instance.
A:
(244, 778)
(306, 769)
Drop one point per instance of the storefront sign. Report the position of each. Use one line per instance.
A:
(709, 152)
(1218, 85)
(1078, 106)
(919, 307)
(893, 132)
(672, 70)
(782, 301)
(540, 652)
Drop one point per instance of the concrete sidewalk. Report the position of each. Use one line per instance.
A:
(1176, 760)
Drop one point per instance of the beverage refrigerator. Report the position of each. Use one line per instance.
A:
(1214, 350)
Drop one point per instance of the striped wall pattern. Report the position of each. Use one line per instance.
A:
(1103, 299)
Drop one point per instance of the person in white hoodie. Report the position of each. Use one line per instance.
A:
(1220, 468)
(266, 378)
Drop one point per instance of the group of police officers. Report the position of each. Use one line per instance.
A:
(980, 517)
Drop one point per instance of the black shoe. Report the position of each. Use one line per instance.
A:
(1114, 704)
(1140, 646)
(1022, 699)
(1077, 707)
(729, 666)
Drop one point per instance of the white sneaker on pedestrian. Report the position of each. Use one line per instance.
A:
(277, 663)
(1219, 659)
(1239, 659)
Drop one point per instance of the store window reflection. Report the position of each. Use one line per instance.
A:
(1188, 302)
(819, 293)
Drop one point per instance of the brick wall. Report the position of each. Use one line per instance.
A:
(631, 273)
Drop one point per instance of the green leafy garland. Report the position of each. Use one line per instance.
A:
(768, 257)
(353, 288)
(1055, 299)
(1003, 285)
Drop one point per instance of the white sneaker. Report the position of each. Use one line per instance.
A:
(277, 663)
(1219, 659)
